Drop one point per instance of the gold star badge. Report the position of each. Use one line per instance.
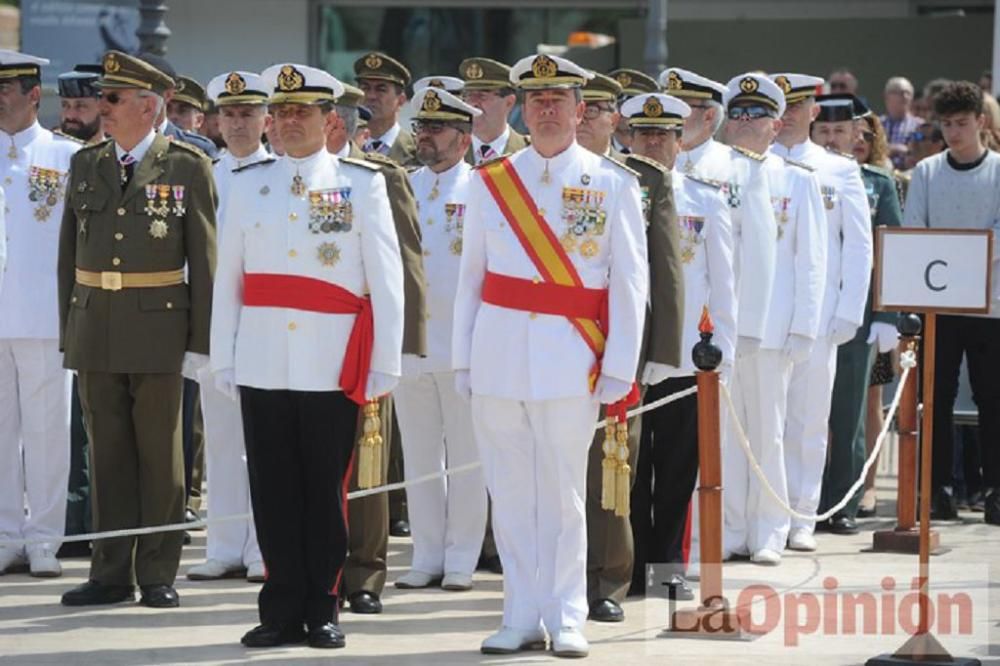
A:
(328, 254)
(158, 229)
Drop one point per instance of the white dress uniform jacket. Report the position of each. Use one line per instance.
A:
(522, 356)
(222, 170)
(34, 180)
(849, 235)
(266, 229)
(745, 189)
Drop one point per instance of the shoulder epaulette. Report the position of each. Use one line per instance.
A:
(364, 164)
(840, 154)
(716, 184)
(263, 162)
(876, 169)
(62, 135)
(92, 146)
(748, 153)
(190, 147)
(378, 157)
(645, 160)
(801, 165)
(490, 161)
(622, 165)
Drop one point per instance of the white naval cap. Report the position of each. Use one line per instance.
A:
(797, 87)
(540, 72)
(431, 103)
(755, 88)
(14, 64)
(452, 84)
(232, 88)
(656, 110)
(299, 84)
(688, 85)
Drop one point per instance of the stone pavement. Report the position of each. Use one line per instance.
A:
(438, 627)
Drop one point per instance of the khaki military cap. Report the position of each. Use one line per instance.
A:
(190, 92)
(484, 74)
(634, 82)
(601, 88)
(124, 71)
(377, 65)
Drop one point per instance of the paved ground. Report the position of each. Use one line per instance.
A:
(437, 627)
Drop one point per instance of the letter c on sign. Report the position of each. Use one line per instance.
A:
(927, 275)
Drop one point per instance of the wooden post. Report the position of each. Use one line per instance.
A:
(905, 538)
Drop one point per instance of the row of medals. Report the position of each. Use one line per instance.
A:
(584, 216)
(330, 211)
(159, 206)
(45, 187)
(454, 214)
(690, 232)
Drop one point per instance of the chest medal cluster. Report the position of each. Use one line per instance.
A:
(732, 193)
(829, 194)
(45, 189)
(584, 216)
(691, 227)
(163, 200)
(454, 221)
(330, 211)
(780, 206)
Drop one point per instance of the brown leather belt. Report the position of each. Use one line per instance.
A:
(115, 281)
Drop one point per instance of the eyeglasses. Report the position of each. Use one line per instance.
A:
(111, 98)
(754, 112)
(916, 136)
(432, 127)
(868, 136)
(594, 110)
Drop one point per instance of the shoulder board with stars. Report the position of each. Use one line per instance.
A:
(263, 162)
(801, 165)
(715, 184)
(641, 159)
(62, 135)
(748, 153)
(840, 154)
(871, 168)
(365, 163)
(621, 165)
(92, 146)
(191, 148)
(490, 161)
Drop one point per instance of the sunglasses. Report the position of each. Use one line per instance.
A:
(868, 136)
(111, 98)
(754, 112)
(917, 136)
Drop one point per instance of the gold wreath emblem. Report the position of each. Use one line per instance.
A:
(373, 61)
(436, 83)
(474, 71)
(111, 64)
(652, 108)
(544, 67)
(749, 85)
(235, 84)
(783, 83)
(431, 102)
(290, 79)
(180, 85)
(674, 81)
(624, 79)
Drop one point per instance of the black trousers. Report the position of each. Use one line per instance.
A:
(78, 498)
(978, 340)
(299, 450)
(664, 478)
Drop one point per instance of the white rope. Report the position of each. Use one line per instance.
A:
(198, 524)
(907, 361)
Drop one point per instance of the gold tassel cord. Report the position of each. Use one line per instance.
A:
(623, 486)
(370, 445)
(608, 468)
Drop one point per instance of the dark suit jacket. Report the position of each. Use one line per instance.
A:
(204, 144)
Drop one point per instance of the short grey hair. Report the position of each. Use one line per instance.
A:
(158, 98)
(720, 115)
(899, 83)
(349, 114)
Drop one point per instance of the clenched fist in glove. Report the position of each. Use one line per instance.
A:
(842, 331)
(379, 384)
(885, 334)
(610, 390)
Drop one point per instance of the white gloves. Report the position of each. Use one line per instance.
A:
(841, 331)
(797, 347)
(747, 347)
(225, 383)
(192, 363)
(885, 334)
(463, 384)
(654, 373)
(610, 390)
(379, 384)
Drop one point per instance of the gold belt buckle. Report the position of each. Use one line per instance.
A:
(111, 281)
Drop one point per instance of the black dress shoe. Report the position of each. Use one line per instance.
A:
(74, 549)
(606, 610)
(264, 635)
(866, 513)
(159, 596)
(186, 538)
(822, 526)
(991, 507)
(399, 528)
(365, 603)
(678, 589)
(326, 636)
(841, 524)
(93, 593)
(489, 563)
(943, 505)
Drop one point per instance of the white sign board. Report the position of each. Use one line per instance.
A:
(933, 270)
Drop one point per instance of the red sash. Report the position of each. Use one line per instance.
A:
(296, 292)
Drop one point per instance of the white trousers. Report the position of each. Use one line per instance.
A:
(535, 460)
(233, 542)
(34, 440)
(447, 515)
(807, 428)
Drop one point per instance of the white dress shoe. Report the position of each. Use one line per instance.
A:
(694, 571)
(42, 563)
(800, 538)
(415, 580)
(569, 642)
(509, 640)
(214, 570)
(10, 557)
(256, 572)
(457, 582)
(766, 556)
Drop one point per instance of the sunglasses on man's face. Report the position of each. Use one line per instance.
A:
(754, 112)
(916, 136)
(111, 98)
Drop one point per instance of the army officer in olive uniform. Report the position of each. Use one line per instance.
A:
(140, 210)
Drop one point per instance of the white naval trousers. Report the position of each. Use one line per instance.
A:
(447, 515)
(34, 440)
(233, 542)
(534, 457)
(807, 428)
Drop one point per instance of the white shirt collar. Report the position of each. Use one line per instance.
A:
(140, 149)
(498, 144)
(256, 156)
(390, 135)
(345, 150)
(305, 162)
(25, 136)
(557, 163)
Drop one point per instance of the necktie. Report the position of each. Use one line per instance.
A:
(486, 152)
(374, 146)
(126, 168)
